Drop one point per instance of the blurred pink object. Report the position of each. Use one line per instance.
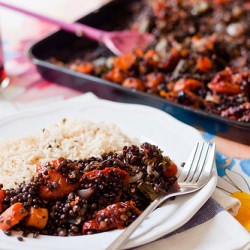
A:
(4, 80)
(119, 42)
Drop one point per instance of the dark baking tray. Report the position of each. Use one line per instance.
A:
(118, 13)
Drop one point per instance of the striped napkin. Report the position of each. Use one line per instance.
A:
(212, 227)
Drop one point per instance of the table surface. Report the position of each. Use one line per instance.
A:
(233, 159)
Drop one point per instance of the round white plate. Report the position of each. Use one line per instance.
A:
(148, 125)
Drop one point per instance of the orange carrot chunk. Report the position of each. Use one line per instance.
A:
(204, 64)
(37, 218)
(134, 83)
(124, 62)
(114, 75)
(62, 190)
(85, 68)
(12, 216)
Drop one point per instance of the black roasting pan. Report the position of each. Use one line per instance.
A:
(118, 13)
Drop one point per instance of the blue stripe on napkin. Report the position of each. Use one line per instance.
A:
(207, 212)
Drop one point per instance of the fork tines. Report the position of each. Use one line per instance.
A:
(198, 167)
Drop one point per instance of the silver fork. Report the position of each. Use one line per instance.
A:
(194, 175)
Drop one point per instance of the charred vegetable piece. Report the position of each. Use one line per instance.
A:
(149, 191)
(171, 170)
(12, 216)
(170, 61)
(37, 218)
(117, 215)
(2, 196)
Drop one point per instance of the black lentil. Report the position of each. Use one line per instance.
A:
(20, 238)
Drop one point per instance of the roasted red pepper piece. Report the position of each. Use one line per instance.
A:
(229, 82)
(117, 215)
(170, 61)
(56, 185)
(187, 84)
(154, 79)
(171, 170)
(223, 87)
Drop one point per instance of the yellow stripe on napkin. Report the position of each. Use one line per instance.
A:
(243, 215)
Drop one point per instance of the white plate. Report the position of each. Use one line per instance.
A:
(147, 124)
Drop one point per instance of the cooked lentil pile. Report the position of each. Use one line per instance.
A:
(88, 196)
(200, 57)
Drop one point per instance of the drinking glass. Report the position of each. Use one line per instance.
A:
(4, 79)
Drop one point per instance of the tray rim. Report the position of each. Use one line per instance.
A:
(46, 64)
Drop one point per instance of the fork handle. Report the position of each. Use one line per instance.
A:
(117, 243)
